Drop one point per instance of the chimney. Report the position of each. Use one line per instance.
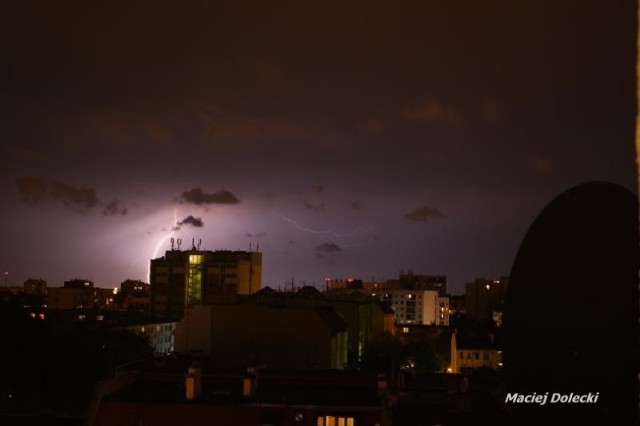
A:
(382, 384)
(193, 382)
(250, 382)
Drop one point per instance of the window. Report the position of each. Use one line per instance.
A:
(335, 421)
(461, 355)
(477, 355)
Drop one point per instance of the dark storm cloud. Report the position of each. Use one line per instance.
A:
(35, 189)
(424, 214)
(76, 199)
(193, 221)
(328, 248)
(328, 252)
(314, 207)
(199, 197)
(114, 208)
(357, 205)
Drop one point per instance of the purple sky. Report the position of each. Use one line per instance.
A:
(346, 138)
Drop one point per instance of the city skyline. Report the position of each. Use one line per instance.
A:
(344, 140)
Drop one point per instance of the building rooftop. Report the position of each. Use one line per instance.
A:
(161, 380)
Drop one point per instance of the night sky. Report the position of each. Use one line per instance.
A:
(347, 139)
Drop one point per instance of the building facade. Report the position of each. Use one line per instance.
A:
(469, 354)
(278, 336)
(484, 297)
(415, 306)
(161, 335)
(181, 279)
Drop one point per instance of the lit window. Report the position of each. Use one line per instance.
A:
(335, 421)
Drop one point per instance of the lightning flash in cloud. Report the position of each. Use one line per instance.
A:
(172, 229)
(325, 233)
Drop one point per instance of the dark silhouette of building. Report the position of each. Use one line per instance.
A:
(35, 286)
(484, 297)
(170, 391)
(78, 283)
(571, 314)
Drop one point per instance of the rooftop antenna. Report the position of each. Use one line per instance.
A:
(172, 242)
(199, 242)
(179, 243)
(193, 244)
(249, 245)
(257, 246)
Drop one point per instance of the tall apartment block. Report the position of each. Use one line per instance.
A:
(183, 278)
(484, 298)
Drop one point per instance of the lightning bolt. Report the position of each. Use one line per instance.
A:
(328, 232)
(162, 241)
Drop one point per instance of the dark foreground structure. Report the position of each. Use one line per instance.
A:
(571, 314)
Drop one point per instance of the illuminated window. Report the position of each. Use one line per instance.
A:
(194, 279)
(335, 421)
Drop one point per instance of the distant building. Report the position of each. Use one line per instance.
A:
(406, 281)
(415, 306)
(134, 287)
(78, 283)
(134, 296)
(35, 286)
(161, 334)
(473, 353)
(181, 279)
(484, 296)
(413, 281)
(80, 294)
(457, 304)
